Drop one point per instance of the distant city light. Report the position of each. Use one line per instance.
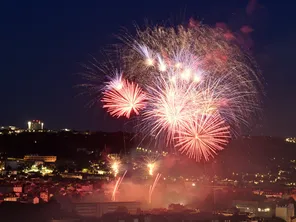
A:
(140, 149)
(35, 168)
(66, 130)
(263, 209)
(291, 140)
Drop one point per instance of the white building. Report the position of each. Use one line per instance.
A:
(35, 125)
(285, 212)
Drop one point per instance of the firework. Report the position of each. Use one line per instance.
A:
(122, 98)
(115, 164)
(115, 168)
(191, 85)
(169, 107)
(150, 163)
(198, 85)
(203, 137)
(151, 167)
(195, 53)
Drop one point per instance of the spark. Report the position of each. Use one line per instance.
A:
(115, 164)
(151, 162)
(161, 64)
(186, 74)
(149, 62)
(146, 53)
(115, 168)
(178, 65)
(115, 82)
(151, 167)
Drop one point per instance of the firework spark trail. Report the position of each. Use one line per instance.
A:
(117, 184)
(115, 189)
(152, 187)
(123, 100)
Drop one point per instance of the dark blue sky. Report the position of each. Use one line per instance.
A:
(44, 42)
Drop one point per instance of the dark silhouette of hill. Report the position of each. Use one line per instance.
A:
(250, 154)
(63, 144)
(256, 154)
(29, 212)
(242, 155)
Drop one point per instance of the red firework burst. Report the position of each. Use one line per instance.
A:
(124, 100)
(202, 137)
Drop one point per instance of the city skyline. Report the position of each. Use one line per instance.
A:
(188, 104)
(46, 45)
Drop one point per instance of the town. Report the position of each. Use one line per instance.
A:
(82, 176)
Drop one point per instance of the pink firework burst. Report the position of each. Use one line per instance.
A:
(123, 100)
(169, 107)
(202, 137)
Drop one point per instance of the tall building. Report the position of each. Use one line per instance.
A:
(35, 125)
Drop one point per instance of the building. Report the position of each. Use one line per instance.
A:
(18, 189)
(46, 159)
(11, 199)
(255, 208)
(13, 163)
(285, 212)
(101, 208)
(71, 176)
(66, 220)
(35, 200)
(44, 196)
(10, 130)
(6, 189)
(35, 125)
(246, 206)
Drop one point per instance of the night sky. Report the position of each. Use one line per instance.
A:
(43, 44)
